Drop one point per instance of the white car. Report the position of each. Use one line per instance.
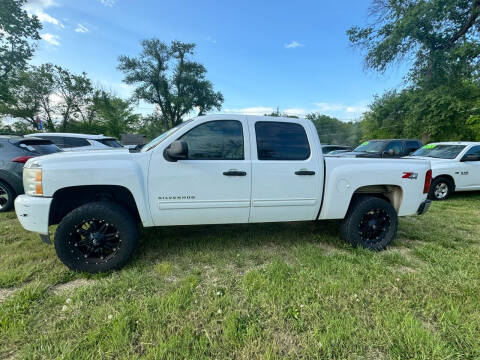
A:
(79, 142)
(214, 169)
(455, 167)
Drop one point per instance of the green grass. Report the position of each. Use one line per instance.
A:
(290, 290)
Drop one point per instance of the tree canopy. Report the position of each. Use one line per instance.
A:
(165, 76)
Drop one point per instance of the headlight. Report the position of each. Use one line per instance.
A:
(32, 181)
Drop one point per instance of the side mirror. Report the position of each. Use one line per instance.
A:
(471, 157)
(177, 150)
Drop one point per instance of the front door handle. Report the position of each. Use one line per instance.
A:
(234, 173)
(304, 172)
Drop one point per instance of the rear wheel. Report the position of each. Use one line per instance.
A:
(7, 196)
(96, 237)
(370, 223)
(440, 189)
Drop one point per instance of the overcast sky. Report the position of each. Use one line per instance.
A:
(259, 54)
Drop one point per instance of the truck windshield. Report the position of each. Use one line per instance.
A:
(373, 146)
(439, 151)
(163, 136)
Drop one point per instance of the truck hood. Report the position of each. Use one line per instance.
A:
(73, 156)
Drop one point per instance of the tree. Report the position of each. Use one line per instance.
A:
(17, 30)
(164, 76)
(74, 92)
(334, 131)
(441, 36)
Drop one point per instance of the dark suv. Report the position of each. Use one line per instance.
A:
(14, 153)
(391, 148)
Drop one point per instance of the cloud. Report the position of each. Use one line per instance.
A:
(294, 44)
(342, 111)
(108, 3)
(296, 111)
(51, 39)
(211, 40)
(37, 7)
(81, 29)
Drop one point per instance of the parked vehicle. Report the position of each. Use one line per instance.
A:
(80, 142)
(214, 169)
(328, 149)
(388, 148)
(455, 167)
(14, 153)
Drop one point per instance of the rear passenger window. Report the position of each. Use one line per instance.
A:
(215, 140)
(57, 140)
(281, 141)
(71, 142)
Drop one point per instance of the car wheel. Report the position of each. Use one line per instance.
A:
(96, 237)
(7, 196)
(371, 223)
(440, 189)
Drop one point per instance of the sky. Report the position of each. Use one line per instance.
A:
(294, 55)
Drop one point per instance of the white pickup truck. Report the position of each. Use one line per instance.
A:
(214, 169)
(455, 167)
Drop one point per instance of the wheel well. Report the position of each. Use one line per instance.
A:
(446, 177)
(391, 193)
(67, 199)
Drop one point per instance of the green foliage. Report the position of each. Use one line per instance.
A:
(440, 114)
(441, 36)
(333, 131)
(18, 31)
(164, 76)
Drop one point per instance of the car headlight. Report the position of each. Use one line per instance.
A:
(32, 181)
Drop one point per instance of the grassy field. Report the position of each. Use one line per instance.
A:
(252, 291)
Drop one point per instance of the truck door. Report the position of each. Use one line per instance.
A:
(213, 185)
(287, 170)
(470, 170)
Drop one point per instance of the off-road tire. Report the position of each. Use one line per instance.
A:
(7, 197)
(116, 217)
(363, 210)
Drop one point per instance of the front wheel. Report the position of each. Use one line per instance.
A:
(7, 195)
(96, 237)
(371, 223)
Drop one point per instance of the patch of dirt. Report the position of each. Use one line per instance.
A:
(5, 293)
(328, 248)
(71, 285)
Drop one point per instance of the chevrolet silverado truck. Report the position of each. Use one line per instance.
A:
(216, 169)
(455, 167)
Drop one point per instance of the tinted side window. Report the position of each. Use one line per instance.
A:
(215, 140)
(412, 146)
(281, 141)
(474, 151)
(397, 147)
(70, 142)
(57, 140)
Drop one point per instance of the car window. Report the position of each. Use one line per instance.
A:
(72, 142)
(439, 151)
(474, 151)
(39, 147)
(215, 140)
(57, 140)
(396, 146)
(109, 142)
(281, 141)
(412, 146)
(372, 146)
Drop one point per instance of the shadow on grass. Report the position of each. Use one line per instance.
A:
(179, 239)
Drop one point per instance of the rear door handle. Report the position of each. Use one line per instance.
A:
(304, 172)
(234, 173)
